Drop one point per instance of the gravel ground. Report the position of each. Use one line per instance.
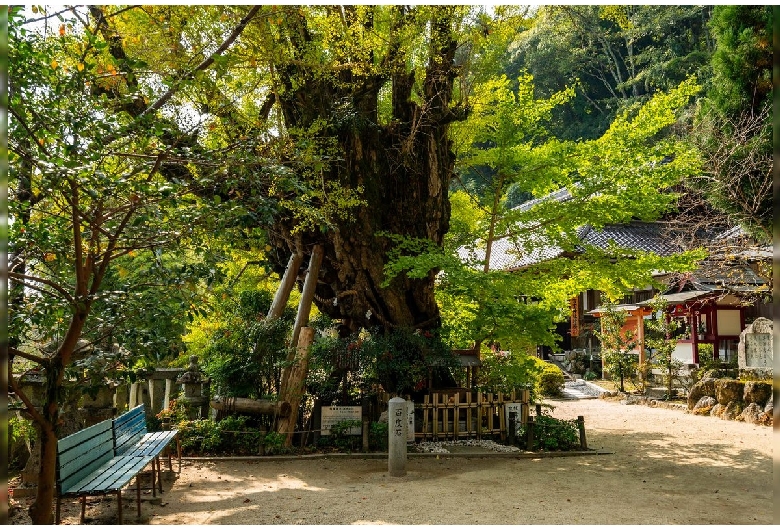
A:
(663, 467)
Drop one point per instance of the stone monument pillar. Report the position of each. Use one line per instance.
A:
(754, 352)
(398, 426)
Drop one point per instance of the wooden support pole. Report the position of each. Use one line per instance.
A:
(285, 286)
(292, 392)
(304, 309)
(307, 295)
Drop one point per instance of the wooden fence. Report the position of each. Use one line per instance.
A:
(456, 415)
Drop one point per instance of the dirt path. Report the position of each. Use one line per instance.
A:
(667, 467)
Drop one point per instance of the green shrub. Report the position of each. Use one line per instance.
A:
(230, 435)
(340, 436)
(377, 436)
(551, 381)
(243, 357)
(510, 371)
(274, 443)
(552, 434)
(341, 369)
(199, 436)
(236, 437)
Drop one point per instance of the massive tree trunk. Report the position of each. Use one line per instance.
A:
(404, 168)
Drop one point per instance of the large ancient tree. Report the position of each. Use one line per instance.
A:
(373, 87)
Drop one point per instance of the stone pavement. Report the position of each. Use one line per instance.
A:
(581, 389)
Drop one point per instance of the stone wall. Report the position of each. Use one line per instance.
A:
(732, 399)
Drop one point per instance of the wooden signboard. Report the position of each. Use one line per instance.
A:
(337, 413)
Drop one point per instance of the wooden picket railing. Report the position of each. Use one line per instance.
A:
(456, 415)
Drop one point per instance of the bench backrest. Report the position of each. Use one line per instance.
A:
(79, 454)
(129, 428)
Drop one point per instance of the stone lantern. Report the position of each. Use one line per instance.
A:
(196, 390)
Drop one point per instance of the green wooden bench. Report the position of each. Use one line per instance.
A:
(105, 457)
(87, 465)
(131, 438)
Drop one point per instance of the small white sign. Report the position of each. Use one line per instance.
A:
(332, 415)
(513, 407)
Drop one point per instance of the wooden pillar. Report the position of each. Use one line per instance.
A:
(293, 391)
(640, 329)
(695, 315)
(285, 286)
(581, 426)
(304, 308)
(307, 295)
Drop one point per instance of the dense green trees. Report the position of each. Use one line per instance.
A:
(149, 143)
(734, 125)
(615, 56)
(91, 218)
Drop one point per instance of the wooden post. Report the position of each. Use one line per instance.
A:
(285, 287)
(365, 434)
(307, 295)
(581, 425)
(529, 441)
(479, 416)
(293, 391)
(304, 308)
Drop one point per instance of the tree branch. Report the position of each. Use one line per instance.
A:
(30, 408)
(14, 352)
(177, 84)
(24, 279)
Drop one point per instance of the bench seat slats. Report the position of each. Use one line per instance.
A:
(152, 443)
(111, 476)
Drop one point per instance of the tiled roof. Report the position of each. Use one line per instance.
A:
(635, 235)
(506, 255)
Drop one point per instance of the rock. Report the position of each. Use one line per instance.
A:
(731, 411)
(716, 410)
(757, 392)
(728, 390)
(704, 405)
(713, 373)
(770, 406)
(751, 414)
(705, 387)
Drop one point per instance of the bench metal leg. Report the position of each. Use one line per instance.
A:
(57, 512)
(159, 474)
(138, 493)
(119, 505)
(154, 482)
(83, 509)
